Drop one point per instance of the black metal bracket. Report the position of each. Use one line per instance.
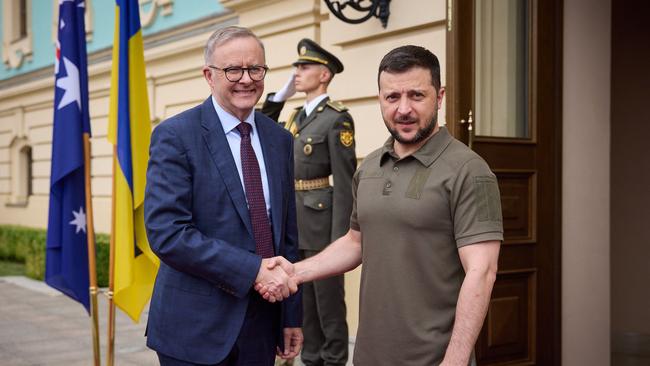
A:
(377, 8)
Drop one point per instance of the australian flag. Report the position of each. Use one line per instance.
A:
(66, 267)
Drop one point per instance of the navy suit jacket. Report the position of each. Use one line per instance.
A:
(198, 223)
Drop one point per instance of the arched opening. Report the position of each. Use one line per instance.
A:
(25, 168)
(21, 172)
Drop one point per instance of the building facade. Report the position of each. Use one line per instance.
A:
(547, 85)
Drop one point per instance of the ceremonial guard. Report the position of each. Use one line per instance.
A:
(325, 160)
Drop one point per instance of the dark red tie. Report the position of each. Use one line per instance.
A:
(255, 194)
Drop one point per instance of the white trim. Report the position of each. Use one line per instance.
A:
(16, 50)
(151, 8)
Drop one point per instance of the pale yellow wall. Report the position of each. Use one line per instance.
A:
(281, 24)
(175, 83)
(585, 186)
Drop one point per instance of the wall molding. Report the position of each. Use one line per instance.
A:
(16, 49)
(149, 10)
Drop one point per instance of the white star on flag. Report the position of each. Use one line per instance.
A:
(79, 220)
(69, 83)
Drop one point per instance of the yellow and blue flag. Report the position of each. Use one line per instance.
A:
(135, 265)
(66, 258)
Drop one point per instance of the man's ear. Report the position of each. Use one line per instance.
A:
(326, 75)
(207, 74)
(440, 97)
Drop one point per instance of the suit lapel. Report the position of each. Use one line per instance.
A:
(313, 114)
(217, 144)
(273, 175)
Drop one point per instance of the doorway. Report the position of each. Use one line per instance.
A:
(504, 90)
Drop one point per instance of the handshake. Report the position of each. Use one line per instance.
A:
(277, 279)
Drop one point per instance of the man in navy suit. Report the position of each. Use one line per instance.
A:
(219, 204)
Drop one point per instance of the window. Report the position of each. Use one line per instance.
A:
(21, 172)
(26, 170)
(16, 32)
(22, 19)
(502, 72)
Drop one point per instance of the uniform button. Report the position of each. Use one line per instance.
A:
(320, 205)
(388, 185)
(309, 139)
(395, 168)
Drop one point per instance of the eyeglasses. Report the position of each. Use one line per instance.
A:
(235, 73)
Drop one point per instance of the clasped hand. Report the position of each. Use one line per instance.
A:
(275, 280)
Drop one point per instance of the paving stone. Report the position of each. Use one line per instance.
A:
(39, 327)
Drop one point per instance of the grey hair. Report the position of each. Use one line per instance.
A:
(223, 35)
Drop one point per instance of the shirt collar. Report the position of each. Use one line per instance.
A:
(230, 122)
(426, 154)
(309, 107)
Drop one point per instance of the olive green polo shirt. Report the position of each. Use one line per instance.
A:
(414, 213)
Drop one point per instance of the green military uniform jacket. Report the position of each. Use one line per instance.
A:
(323, 146)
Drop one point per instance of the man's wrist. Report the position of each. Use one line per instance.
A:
(258, 277)
(301, 273)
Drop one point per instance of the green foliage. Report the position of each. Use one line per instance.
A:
(27, 245)
(35, 255)
(102, 253)
(8, 268)
(13, 240)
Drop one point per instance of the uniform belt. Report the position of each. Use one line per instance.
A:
(309, 184)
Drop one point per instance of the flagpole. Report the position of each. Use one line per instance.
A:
(111, 275)
(92, 267)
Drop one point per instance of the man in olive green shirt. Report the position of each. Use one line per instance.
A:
(426, 223)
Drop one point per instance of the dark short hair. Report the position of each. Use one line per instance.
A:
(404, 58)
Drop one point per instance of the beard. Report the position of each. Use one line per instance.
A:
(421, 135)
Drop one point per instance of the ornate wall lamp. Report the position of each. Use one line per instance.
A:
(369, 8)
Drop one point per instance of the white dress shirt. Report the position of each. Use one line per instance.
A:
(309, 107)
(229, 124)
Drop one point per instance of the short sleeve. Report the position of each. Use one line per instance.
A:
(476, 204)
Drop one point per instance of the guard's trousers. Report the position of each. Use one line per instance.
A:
(324, 323)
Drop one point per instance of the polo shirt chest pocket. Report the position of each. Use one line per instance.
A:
(314, 149)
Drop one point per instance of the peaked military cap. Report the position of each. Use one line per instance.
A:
(309, 52)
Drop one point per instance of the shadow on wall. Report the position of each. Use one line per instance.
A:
(630, 349)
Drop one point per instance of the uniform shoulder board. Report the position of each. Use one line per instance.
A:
(337, 106)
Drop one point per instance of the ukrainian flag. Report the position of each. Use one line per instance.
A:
(135, 265)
